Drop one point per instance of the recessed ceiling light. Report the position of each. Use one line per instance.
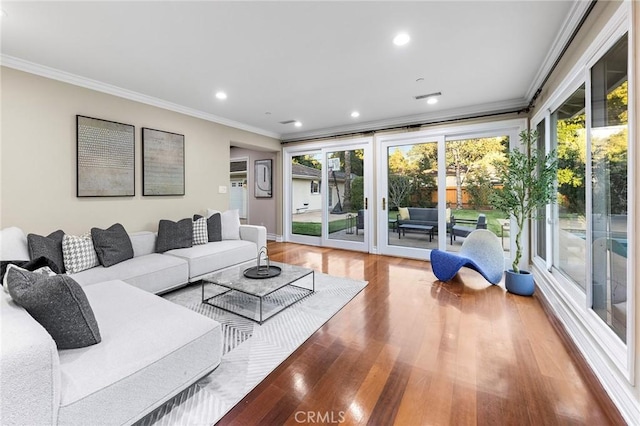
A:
(401, 39)
(355, 114)
(221, 95)
(431, 98)
(297, 124)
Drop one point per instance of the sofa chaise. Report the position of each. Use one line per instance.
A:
(151, 349)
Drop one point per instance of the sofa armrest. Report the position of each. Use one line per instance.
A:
(30, 369)
(255, 233)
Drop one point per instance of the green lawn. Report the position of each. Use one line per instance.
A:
(314, 228)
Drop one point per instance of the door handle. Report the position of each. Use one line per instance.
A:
(384, 203)
(366, 203)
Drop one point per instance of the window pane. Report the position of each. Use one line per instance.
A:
(305, 209)
(346, 195)
(541, 216)
(471, 177)
(569, 230)
(609, 143)
(412, 194)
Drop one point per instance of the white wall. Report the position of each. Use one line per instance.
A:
(38, 158)
(262, 211)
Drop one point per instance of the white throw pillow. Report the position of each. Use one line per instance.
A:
(230, 225)
(200, 233)
(78, 253)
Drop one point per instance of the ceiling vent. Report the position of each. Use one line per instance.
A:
(428, 95)
(288, 122)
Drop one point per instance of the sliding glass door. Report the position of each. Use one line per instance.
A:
(408, 214)
(328, 195)
(434, 188)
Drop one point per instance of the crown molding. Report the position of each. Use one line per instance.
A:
(87, 83)
(570, 24)
(450, 114)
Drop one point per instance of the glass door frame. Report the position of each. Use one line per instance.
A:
(324, 148)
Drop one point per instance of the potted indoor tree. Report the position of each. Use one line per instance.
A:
(527, 177)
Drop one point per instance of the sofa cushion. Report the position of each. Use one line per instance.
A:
(213, 256)
(112, 245)
(230, 224)
(143, 242)
(78, 253)
(151, 350)
(155, 273)
(13, 244)
(423, 214)
(200, 234)
(58, 303)
(173, 235)
(49, 247)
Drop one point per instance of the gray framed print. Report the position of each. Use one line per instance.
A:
(105, 158)
(162, 162)
(263, 179)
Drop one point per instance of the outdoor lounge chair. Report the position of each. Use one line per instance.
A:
(458, 230)
(481, 251)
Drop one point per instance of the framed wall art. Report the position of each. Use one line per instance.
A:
(105, 158)
(162, 163)
(263, 179)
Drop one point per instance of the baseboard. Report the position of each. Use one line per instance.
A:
(589, 356)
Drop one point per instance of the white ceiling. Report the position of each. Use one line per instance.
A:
(315, 62)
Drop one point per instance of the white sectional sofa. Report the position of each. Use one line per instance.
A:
(160, 272)
(151, 349)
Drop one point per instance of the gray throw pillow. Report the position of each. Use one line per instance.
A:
(214, 226)
(59, 304)
(174, 235)
(49, 247)
(112, 245)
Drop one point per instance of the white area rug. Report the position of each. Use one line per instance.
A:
(251, 351)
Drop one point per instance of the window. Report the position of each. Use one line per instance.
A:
(609, 197)
(315, 187)
(541, 215)
(569, 235)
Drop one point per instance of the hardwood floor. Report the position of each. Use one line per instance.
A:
(410, 350)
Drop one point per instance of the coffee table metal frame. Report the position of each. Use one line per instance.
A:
(232, 279)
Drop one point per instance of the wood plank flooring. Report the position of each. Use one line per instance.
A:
(409, 350)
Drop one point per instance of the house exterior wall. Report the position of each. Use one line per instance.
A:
(301, 195)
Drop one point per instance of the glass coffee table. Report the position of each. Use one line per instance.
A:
(257, 299)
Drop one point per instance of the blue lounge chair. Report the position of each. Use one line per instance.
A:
(481, 251)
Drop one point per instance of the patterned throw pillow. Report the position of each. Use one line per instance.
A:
(78, 253)
(200, 234)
